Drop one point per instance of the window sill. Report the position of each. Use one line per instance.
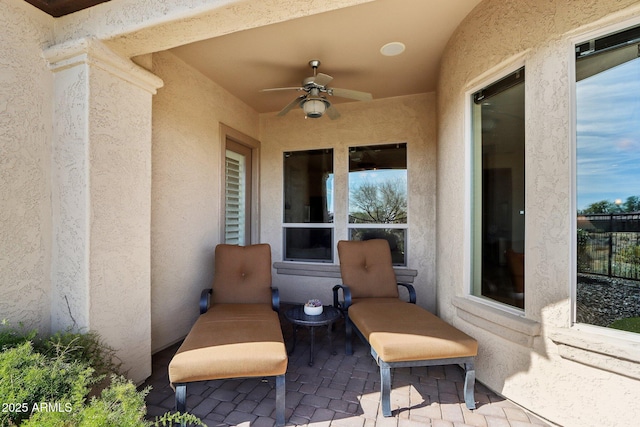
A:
(612, 351)
(403, 274)
(510, 326)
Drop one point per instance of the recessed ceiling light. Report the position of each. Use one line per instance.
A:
(392, 49)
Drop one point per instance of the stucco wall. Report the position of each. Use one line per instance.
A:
(186, 171)
(498, 35)
(185, 193)
(25, 165)
(408, 119)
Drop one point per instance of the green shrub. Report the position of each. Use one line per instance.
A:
(584, 257)
(86, 347)
(629, 254)
(47, 383)
(28, 379)
(171, 418)
(119, 405)
(10, 337)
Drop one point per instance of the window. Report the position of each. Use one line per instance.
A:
(308, 205)
(607, 191)
(237, 197)
(498, 142)
(378, 196)
(240, 154)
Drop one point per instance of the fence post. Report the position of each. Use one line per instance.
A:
(609, 272)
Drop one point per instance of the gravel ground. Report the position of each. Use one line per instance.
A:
(602, 300)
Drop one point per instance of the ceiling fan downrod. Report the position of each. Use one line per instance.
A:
(314, 63)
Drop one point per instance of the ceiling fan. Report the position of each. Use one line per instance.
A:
(314, 101)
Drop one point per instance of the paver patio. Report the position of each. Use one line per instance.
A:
(338, 390)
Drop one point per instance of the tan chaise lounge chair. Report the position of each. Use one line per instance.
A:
(240, 334)
(400, 334)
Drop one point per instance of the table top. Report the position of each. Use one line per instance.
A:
(296, 315)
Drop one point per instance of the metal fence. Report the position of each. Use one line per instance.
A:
(609, 244)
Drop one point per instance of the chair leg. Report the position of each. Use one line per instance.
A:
(385, 390)
(348, 333)
(469, 384)
(181, 397)
(280, 394)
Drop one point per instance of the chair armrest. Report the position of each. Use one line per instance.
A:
(412, 292)
(204, 300)
(275, 299)
(346, 293)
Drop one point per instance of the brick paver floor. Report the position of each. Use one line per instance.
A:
(338, 390)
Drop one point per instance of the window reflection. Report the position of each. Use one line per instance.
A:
(378, 195)
(608, 196)
(308, 244)
(395, 237)
(308, 177)
(308, 199)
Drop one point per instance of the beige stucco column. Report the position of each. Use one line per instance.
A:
(101, 186)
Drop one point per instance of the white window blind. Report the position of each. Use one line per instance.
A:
(235, 198)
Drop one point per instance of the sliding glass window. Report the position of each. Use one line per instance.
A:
(498, 146)
(608, 181)
(308, 205)
(378, 196)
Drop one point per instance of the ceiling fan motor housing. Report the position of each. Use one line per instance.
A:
(313, 103)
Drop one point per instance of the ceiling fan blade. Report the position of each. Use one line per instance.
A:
(291, 105)
(351, 94)
(281, 88)
(322, 79)
(332, 112)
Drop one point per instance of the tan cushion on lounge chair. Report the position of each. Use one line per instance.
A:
(401, 332)
(229, 341)
(242, 274)
(377, 300)
(367, 269)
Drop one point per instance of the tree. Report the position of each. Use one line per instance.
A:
(601, 207)
(632, 204)
(384, 203)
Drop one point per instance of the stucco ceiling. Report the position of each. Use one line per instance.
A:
(347, 42)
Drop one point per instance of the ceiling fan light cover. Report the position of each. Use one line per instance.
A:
(314, 107)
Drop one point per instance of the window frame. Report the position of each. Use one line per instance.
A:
(381, 226)
(229, 133)
(484, 80)
(307, 225)
(590, 331)
(340, 226)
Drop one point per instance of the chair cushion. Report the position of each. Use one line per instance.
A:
(367, 269)
(230, 341)
(402, 332)
(242, 274)
(377, 300)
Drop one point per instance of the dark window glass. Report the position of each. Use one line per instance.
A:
(395, 236)
(308, 199)
(499, 191)
(308, 244)
(308, 186)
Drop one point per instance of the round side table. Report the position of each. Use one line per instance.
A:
(298, 317)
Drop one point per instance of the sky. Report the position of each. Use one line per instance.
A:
(608, 135)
